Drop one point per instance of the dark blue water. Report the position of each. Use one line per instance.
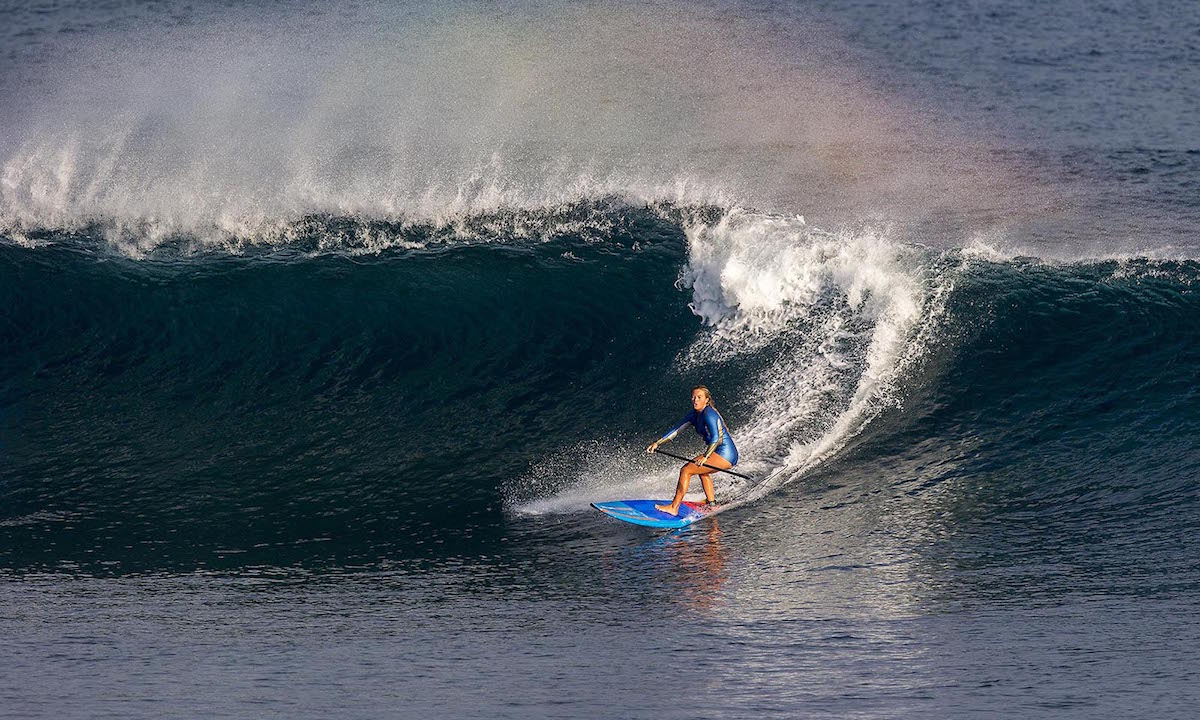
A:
(319, 332)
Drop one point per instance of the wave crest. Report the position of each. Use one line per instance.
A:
(821, 326)
(833, 318)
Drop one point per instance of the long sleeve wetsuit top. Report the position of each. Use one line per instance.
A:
(711, 427)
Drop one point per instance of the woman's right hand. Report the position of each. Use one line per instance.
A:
(652, 447)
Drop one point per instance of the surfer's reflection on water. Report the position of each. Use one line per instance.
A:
(693, 560)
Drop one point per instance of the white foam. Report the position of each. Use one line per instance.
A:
(858, 302)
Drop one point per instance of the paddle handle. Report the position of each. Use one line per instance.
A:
(680, 457)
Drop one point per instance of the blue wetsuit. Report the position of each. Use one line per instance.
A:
(711, 427)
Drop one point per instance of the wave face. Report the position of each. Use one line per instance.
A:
(371, 391)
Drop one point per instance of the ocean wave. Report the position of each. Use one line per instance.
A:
(292, 392)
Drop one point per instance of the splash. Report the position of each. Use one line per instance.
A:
(839, 316)
(829, 323)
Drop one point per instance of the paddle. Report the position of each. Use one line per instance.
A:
(680, 457)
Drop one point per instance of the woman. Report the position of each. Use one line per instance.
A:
(720, 454)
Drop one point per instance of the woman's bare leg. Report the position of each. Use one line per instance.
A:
(716, 461)
(685, 478)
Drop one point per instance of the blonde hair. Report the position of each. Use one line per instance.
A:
(708, 394)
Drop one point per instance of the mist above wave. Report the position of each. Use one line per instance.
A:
(228, 125)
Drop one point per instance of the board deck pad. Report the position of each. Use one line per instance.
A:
(642, 512)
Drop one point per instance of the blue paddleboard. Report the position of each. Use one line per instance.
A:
(642, 512)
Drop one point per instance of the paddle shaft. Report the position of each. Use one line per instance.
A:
(680, 457)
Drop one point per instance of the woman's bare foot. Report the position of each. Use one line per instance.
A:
(667, 509)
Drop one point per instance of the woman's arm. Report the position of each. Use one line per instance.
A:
(670, 434)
